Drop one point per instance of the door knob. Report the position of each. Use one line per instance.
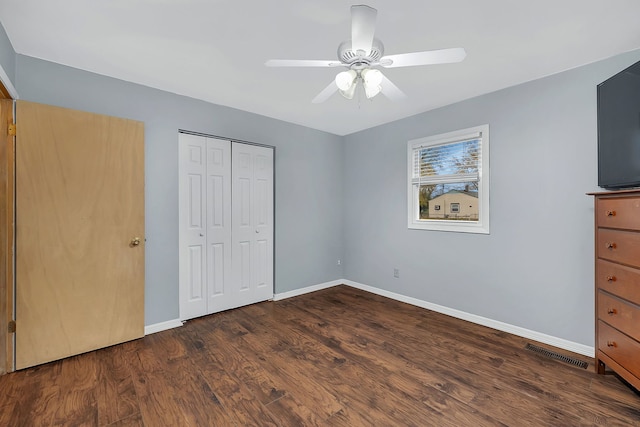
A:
(135, 241)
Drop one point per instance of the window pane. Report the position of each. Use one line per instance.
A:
(458, 201)
(448, 159)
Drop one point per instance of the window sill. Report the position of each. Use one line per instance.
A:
(452, 226)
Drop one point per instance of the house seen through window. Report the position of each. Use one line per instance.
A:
(448, 181)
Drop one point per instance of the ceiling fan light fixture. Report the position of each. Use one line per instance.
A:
(371, 91)
(372, 82)
(346, 80)
(349, 93)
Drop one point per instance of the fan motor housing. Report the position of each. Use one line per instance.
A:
(347, 56)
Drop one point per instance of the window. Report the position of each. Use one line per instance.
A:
(448, 181)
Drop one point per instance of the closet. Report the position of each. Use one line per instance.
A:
(226, 224)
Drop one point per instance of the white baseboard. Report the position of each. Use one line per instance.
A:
(302, 291)
(585, 350)
(162, 326)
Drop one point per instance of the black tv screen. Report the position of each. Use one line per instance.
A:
(619, 130)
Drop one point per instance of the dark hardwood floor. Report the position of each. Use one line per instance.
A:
(337, 357)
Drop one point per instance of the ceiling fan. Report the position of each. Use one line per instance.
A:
(362, 54)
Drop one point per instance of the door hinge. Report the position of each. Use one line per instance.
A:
(12, 326)
(12, 129)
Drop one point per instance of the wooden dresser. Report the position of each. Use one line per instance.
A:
(617, 287)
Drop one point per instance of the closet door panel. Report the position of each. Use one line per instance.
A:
(192, 214)
(218, 234)
(243, 220)
(253, 230)
(263, 214)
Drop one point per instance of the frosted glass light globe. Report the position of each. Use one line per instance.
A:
(346, 79)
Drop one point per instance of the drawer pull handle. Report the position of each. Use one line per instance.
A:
(611, 278)
(612, 311)
(611, 344)
(610, 245)
(611, 213)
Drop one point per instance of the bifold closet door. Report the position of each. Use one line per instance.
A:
(252, 234)
(205, 225)
(226, 225)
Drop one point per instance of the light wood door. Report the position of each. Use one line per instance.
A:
(6, 234)
(80, 205)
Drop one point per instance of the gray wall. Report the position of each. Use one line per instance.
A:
(308, 174)
(535, 269)
(346, 197)
(7, 56)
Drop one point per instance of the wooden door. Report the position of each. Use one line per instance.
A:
(6, 234)
(79, 209)
(252, 231)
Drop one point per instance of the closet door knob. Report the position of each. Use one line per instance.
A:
(135, 241)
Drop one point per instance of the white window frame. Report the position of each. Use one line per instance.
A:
(413, 206)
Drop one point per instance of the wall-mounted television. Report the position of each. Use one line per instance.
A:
(619, 130)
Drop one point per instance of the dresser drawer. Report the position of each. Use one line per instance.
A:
(621, 212)
(619, 280)
(619, 347)
(621, 315)
(618, 246)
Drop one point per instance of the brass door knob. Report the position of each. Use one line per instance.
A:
(135, 241)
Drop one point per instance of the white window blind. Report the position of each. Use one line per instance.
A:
(450, 162)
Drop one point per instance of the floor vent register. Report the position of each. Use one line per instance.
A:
(557, 356)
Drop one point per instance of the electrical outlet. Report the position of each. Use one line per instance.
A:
(396, 273)
(339, 262)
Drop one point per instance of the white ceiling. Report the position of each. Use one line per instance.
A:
(215, 50)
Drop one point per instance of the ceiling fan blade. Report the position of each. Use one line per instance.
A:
(390, 90)
(301, 63)
(363, 27)
(326, 93)
(442, 56)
